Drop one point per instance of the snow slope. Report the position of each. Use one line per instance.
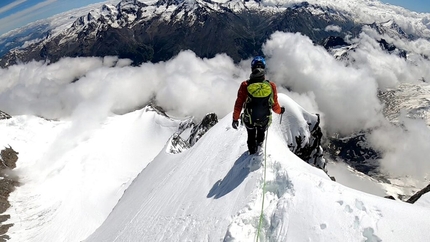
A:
(73, 174)
(209, 193)
(113, 180)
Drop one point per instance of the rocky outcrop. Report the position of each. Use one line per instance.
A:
(309, 148)
(417, 195)
(355, 151)
(178, 141)
(8, 182)
(334, 41)
(189, 133)
(392, 49)
(4, 115)
(198, 131)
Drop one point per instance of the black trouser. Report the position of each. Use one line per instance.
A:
(255, 137)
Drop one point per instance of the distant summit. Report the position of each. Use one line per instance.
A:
(159, 31)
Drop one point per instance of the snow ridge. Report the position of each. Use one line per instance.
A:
(128, 13)
(222, 198)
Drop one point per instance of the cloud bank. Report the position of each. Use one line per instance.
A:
(184, 86)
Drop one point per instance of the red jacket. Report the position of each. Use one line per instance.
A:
(242, 94)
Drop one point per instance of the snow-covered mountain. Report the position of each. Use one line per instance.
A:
(156, 31)
(226, 201)
(67, 169)
(75, 176)
(97, 163)
(41, 29)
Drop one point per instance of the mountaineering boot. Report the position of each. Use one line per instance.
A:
(260, 148)
(252, 149)
(256, 159)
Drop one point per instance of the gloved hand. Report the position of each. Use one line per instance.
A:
(235, 124)
(282, 110)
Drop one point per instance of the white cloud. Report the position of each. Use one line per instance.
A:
(184, 86)
(11, 5)
(404, 148)
(333, 28)
(390, 69)
(198, 86)
(344, 95)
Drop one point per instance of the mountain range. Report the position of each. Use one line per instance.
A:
(156, 32)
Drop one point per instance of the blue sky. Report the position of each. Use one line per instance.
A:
(17, 13)
(422, 6)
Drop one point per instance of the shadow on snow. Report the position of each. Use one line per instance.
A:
(234, 177)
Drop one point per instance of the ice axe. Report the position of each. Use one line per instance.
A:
(282, 112)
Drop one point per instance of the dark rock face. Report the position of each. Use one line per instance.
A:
(4, 115)
(355, 151)
(334, 41)
(391, 48)
(417, 195)
(180, 141)
(311, 152)
(8, 158)
(198, 131)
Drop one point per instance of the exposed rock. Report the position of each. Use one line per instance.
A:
(355, 151)
(311, 152)
(189, 133)
(4, 115)
(9, 157)
(334, 41)
(391, 48)
(198, 131)
(417, 195)
(177, 144)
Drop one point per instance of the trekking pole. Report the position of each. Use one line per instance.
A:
(280, 120)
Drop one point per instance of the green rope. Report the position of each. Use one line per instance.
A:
(264, 189)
